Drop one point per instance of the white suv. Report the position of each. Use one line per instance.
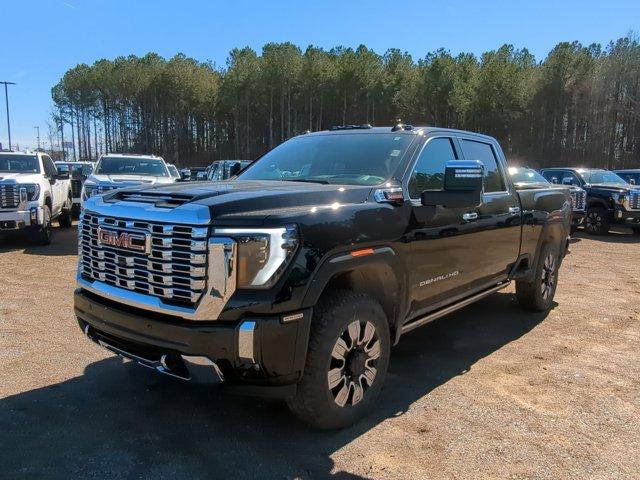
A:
(32, 194)
(118, 170)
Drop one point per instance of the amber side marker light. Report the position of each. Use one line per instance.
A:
(362, 253)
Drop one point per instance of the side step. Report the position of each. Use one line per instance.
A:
(452, 308)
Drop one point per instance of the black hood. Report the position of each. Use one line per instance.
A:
(257, 198)
(611, 187)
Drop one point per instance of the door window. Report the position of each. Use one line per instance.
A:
(49, 167)
(493, 179)
(428, 174)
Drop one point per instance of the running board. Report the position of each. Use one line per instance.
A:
(452, 308)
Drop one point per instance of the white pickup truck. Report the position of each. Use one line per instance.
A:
(117, 170)
(32, 194)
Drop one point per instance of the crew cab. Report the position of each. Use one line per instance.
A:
(118, 170)
(32, 194)
(295, 278)
(78, 172)
(610, 199)
(527, 178)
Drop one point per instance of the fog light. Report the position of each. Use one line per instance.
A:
(33, 215)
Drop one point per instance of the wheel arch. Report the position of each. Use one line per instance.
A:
(378, 274)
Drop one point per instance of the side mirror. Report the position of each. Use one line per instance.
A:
(463, 181)
(64, 175)
(235, 169)
(554, 180)
(632, 181)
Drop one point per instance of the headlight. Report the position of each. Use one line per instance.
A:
(88, 190)
(263, 253)
(620, 198)
(33, 191)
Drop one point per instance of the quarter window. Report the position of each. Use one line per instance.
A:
(493, 180)
(428, 173)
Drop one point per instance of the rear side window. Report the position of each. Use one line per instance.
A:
(493, 180)
(428, 173)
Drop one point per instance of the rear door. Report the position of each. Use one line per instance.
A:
(497, 240)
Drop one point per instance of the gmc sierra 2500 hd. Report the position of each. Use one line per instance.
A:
(296, 278)
(32, 194)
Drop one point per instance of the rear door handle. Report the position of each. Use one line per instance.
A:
(469, 217)
(514, 210)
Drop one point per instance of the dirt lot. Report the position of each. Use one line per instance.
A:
(487, 392)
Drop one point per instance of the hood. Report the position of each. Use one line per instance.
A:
(253, 198)
(6, 177)
(532, 185)
(128, 180)
(612, 187)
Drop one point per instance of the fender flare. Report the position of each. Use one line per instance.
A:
(383, 259)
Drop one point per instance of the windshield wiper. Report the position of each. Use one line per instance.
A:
(306, 180)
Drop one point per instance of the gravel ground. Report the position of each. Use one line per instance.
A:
(488, 392)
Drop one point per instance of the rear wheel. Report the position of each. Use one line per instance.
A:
(45, 232)
(598, 221)
(65, 219)
(538, 294)
(346, 363)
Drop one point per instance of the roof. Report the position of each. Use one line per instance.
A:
(575, 169)
(414, 130)
(627, 170)
(128, 155)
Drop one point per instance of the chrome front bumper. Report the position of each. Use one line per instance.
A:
(19, 219)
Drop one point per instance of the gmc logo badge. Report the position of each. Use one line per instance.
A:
(128, 241)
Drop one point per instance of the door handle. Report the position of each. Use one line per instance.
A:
(514, 210)
(469, 217)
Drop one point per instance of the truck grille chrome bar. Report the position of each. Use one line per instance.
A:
(174, 270)
(578, 200)
(634, 200)
(9, 196)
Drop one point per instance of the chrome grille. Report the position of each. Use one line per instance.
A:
(175, 270)
(578, 200)
(634, 199)
(9, 196)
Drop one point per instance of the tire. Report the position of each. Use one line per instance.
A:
(65, 219)
(45, 232)
(598, 221)
(537, 296)
(343, 377)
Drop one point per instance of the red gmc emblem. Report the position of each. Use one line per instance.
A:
(127, 241)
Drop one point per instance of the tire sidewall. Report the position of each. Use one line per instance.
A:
(546, 250)
(603, 214)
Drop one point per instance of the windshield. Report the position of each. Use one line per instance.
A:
(526, 175)
(350, 159)
(601, 176)
(19, 164)
(131, 166)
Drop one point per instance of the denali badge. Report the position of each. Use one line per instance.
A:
(439, 278)
(128, 241)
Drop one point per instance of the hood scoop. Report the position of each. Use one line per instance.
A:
(157, 199)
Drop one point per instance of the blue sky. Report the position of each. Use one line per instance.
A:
(42, 39)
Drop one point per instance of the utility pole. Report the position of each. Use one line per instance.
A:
(6, 98)
(38, 130)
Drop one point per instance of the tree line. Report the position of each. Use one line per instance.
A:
(578, 106)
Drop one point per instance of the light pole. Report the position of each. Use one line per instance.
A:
(38, 130)
(6, 98)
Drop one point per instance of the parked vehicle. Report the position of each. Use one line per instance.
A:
(294, 279)
(631, 176)
(117, 170)
(198, 174)
(225, 169)
(78, 172)
(33, 194)
(528, 178)
(610, 199)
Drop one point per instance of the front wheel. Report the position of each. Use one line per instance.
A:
(45, 232)
(346, 363)
(598, 221)
(538, 294)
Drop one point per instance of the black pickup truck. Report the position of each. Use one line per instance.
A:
(610, 199)
(525, 178)
(295, 279)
